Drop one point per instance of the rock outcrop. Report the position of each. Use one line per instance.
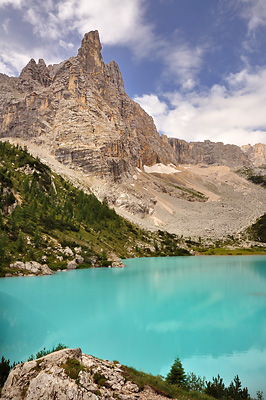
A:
(68, 374)
(210, 153)
(80, 111)
(256, 153)
(33, 267)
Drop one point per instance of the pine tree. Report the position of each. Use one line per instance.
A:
(216, 388)
(177, 375)
(20, 242)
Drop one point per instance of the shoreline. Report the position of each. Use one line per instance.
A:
(120, 263)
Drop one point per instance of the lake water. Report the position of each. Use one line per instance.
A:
(209, 311)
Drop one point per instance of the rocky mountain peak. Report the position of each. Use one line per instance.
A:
(35, 72)
(79, 111)
(89, 54)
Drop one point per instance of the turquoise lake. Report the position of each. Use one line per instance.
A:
(209, 311)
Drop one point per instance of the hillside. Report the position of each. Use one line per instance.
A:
(46, 219)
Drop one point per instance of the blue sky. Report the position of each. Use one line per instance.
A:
(197, 66)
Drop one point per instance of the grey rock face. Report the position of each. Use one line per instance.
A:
(80, 111)
(256, 153)
(210, 153)
(72, 264)
(79, 259)
(47, 378)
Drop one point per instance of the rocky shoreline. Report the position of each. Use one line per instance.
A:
(34, 268)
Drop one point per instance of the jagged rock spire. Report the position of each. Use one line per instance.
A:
(37, 72)
(89, 53)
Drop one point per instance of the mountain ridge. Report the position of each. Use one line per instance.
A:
(80, 111)
(77, 113)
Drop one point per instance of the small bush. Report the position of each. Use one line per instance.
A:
(44, 352)
(99, 379)
(72, 368)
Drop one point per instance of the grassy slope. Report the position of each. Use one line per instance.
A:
(40, 212)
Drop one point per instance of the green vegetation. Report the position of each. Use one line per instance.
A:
(177, 374)
(238, 251)
(258, 230)
(72, 368)
(41, 213)
(194, 194)
(44, 352)
(161, 386)
(234, 246)
(217, 389)
(255, 174)
(5, 368)
(178, 384)
(258, 180)
(99, 379)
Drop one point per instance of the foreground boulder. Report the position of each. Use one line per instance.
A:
(70, 374)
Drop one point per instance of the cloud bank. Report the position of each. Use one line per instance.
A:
(53, 24)
(233, 113)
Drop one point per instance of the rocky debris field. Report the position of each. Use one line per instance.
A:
(197, 201)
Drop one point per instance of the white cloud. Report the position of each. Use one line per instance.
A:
(119, 22)
(12, 3)
(66, 45)
(4, 69)
(233, 114)
(183, 62)
(5, 25)
(152, 105)
(12, 61)
(45, 24)
(254, 11)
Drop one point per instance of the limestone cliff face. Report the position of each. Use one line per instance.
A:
(80, 111)
(256, 153)
(210, 153)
